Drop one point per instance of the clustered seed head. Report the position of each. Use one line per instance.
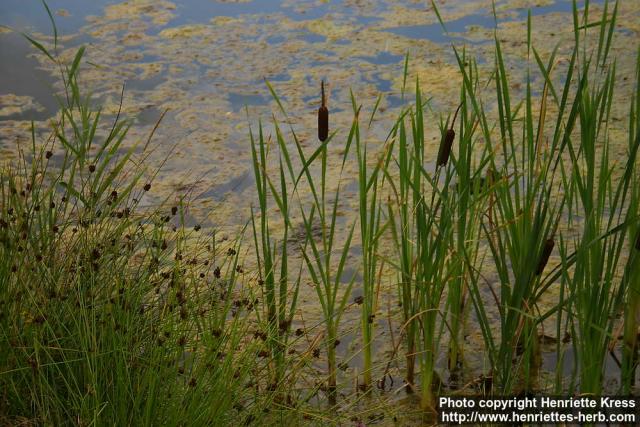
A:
(323, 117)
(147, 187)
(544, 257)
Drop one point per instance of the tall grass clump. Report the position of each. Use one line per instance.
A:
(423, 235)
(112, 314)
(535, 185)
(604, 199)
(632, 271)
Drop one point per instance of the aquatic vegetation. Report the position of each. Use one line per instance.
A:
(499, 225)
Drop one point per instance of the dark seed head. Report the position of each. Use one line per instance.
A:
(48, 154)
(174, 210)
(147, 187)
(544, 256)
(92, 168)
(445, 147)
(358, 300)
(323, 117)
(284, 325)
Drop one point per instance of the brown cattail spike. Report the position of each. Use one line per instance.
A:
(445, 147)
(323, 117)
(544, 257)
(447, 142)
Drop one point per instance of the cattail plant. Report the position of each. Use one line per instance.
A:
(325, 271)
(470, 205)
(423, 237)
(522, 212)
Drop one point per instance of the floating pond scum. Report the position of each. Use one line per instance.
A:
(188, 237)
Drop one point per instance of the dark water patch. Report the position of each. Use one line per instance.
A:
(282, 77)
(238, 101)
(236, 184)
(435, 32)
(383, 58)
(276, 39)
(148, 116)
(310, 37)
(146, 84)
(30, 15)
(21, 75)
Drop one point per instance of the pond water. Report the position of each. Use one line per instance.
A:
(205, 61)
(19, 75)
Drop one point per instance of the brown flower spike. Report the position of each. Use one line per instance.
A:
(544, 257)
(323, 117)
(447, 142)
